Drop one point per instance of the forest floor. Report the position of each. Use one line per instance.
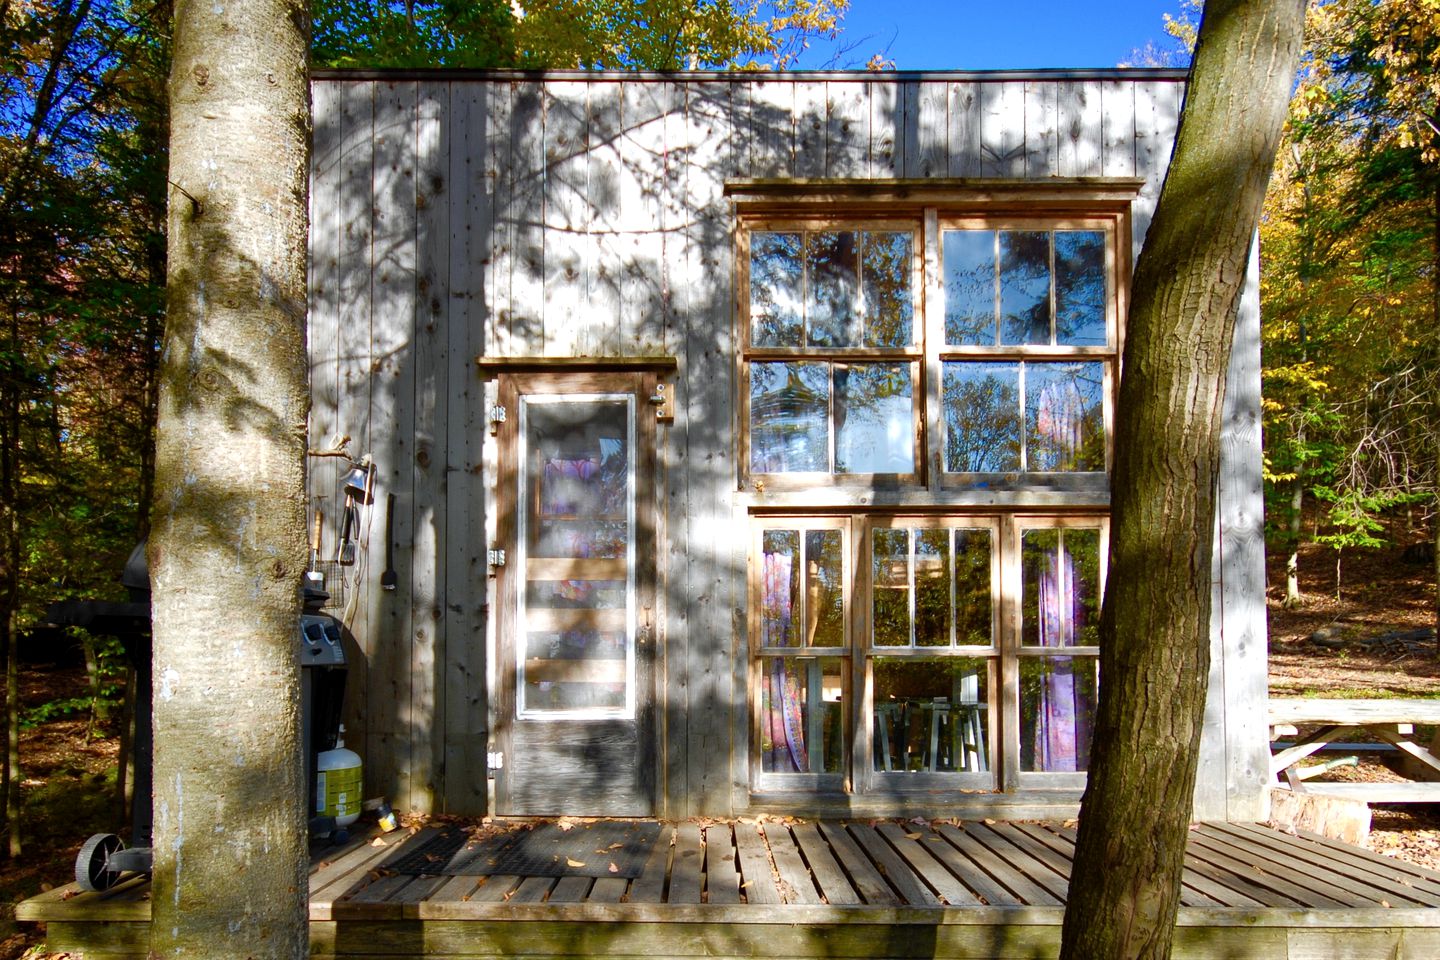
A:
(69, 785)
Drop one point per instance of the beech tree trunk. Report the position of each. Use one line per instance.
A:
(228, 544)
(1155, 623)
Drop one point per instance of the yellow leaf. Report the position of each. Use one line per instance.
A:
(574, 863)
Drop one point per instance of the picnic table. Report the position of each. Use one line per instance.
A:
(1390, 721)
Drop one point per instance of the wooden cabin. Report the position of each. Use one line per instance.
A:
(742, 441)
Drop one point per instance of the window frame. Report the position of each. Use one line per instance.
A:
(938, 353)
(912, 354)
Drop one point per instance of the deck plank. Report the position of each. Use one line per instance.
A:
(1229, 890)
(1190, 896)
(454, 890)
(533, 890)
(758, 881)
(1423, 879)
(496, 889)
(935, 874)
(1270, 890)
(797, 885)
(570, 890)
(868, 881)
(685, 875)
(722, 877)
(996, 881)
(1331, 882)
(1312, 891)
(649, 887)
(609, 890)
(352, 858)
(893, 866)
(834, 886)
(1368, 889)
(1036, 871)
(379, 890)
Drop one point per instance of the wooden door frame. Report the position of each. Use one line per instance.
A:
(515, 381)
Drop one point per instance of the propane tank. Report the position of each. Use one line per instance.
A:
(338, 782)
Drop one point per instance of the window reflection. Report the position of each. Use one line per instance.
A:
(1058, 697)
(969, 257)
(1024, 286)
(947, 569)
(790, 417)
(982, 417)
(1064, 423)
(931, 715)
(776, 285)
(802, 717)
(1060, 592)
(874, 412)
(1080, 287)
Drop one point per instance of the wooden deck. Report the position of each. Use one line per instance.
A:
(821, 889)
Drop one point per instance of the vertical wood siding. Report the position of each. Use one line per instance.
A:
(577, 216)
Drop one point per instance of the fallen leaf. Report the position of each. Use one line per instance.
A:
(378, 842)
(615, 846)
(1385, 904)
(574, 863)
(912, 836)
(988, 822)
(613, 868)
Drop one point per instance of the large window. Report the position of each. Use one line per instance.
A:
(926, 405)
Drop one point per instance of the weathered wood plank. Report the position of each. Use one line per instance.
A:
(927, 865)
(326, 184)
(672, 453)
(685, 874)
(1002, 129)
(711, 566)
(964, 147)
(608, 890)
(868, 881)
(1117, 128)
(1038, 871)
(429, 447)
(1355, 857)
(377, 891)
(1352, 712)
(454, 890)
(525, 217)
(465, 734)
(496, 889)
(571, 889)
(1304, 857)
(1378, 792)
(1042, 123)
(390, 436)
(771, 123)
(608, 245)
(533, 890)
(649, 887)
(831, 879)
(927, 129)
(847, 129)
(722, 877)
(1264, 886)
(887, 126)
(1081, 148)
(566, 217)
(892, 866)
(796, 882)
(1265, 860)
(353, 343)
(758, 882)
(811, 120)
(1008, 886)
(640, 242)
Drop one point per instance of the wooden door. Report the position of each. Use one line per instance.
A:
(576, 706)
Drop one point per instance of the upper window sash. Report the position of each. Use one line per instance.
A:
(828, 286)
(1026, 285)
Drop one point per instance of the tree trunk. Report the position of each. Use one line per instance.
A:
(228, 544)
(1154, 630)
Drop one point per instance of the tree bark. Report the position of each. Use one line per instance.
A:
(1154, 630)
(228, 544)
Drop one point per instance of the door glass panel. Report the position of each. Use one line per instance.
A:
(576, 618)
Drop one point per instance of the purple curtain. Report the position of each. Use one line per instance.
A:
(1062, 723)
(784, 720)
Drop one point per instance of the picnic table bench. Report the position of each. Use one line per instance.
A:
(1391, 721)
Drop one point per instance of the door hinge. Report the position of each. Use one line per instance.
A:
(495, 557)
(497, 417)
(495, 760)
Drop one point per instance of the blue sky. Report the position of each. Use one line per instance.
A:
(985, 35)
